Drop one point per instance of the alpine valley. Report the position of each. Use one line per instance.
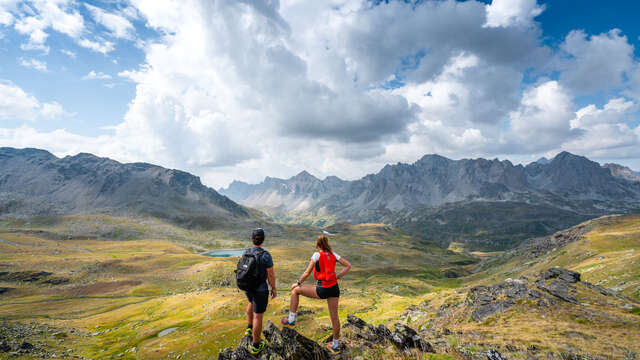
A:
(452, 259)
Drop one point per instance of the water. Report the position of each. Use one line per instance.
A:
(167, 331)
(224, 253)
(369, 243)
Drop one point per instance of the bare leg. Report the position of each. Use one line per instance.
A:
(333, 313)
(257, 327)
(304, 290)
(250, 313)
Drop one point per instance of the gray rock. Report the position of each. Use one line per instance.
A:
(494, 355)
(562, 274)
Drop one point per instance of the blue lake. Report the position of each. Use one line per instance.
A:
(224, 253)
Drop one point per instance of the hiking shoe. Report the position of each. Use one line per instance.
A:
(255, 350)
(288, 323)
(333, 350)
(248, 332)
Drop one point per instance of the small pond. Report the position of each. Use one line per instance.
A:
(369, 243)
(224, 253)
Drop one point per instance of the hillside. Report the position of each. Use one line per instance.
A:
(35, 182)
(450, 200)
(147, 298)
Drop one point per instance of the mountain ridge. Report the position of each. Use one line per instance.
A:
(36, 182)
(569, 187)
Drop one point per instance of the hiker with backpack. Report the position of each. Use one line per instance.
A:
(255, 267)
(323, 265)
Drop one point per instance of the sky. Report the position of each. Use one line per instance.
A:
(243, 89)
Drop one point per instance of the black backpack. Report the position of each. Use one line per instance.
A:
(248, 271)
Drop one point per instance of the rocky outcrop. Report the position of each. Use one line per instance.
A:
(558, 282)
(285, 344)
(552, 285)
(489, 300)
(403, 337)
(288, 344)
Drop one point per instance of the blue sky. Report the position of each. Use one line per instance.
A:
(242, 90)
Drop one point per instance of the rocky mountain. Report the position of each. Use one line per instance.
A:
(35, 182)
(436, 193)
(623, 172)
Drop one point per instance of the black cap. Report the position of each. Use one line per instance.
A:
(257, 234)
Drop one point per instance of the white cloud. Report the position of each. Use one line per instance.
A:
(504, 13)
(93, 75)
(606, 131)
(52, 110)
(59, 15)
(595, 63)
(101, 46)
(16, 104)
(69, 53)
(6, 19)
(543, 121)
(118, 25)
(34, 64)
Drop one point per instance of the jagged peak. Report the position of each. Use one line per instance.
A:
(543, 160)
(566, 156)
(304, 175)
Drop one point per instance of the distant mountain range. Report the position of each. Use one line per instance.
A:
(469, 200)
(487, 204)
(35, 182)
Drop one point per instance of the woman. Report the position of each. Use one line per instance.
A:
(323, 265)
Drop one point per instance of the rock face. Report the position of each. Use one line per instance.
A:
(622, 172)
(35, 182)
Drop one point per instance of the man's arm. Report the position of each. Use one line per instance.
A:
(271, 275)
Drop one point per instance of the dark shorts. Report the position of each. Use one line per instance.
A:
(324, 293)
(259, 299)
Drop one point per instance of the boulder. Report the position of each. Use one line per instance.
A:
(405, 338)
(494, 355)
(367, 332)
(562, 274)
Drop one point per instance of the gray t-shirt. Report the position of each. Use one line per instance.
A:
(265, 262)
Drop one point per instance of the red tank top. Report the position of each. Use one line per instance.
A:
(325, 269)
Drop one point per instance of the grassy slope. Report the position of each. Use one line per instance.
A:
(123, 293)
(609, 256)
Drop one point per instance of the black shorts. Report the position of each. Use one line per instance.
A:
(259, 299)
(324, 293)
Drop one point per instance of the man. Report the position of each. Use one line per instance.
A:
(259, 298)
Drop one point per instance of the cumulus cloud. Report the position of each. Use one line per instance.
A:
(16, 104)
(505, 13)
(595, 63)
(543, 120)
(607, 131)
(118, 25)
(34, 64)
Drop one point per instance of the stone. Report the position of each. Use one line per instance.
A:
(562, 274)
(494, 355)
